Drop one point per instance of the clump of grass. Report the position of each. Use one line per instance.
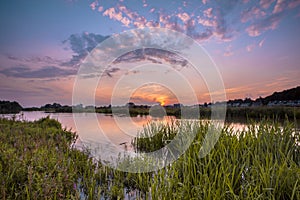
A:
(155, 135)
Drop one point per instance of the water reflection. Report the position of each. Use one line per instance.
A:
(119, 130)
(110, 135)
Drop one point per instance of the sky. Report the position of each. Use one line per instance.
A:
(254, 44)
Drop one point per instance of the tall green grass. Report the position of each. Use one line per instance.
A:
(38, 161)
(261, 162)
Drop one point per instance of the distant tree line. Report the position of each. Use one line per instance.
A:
(10, 107)
(278, 98)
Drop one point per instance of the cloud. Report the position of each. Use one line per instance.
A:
(261, 43)
(228, 51)
(100, 8)
(250, 47)
(44, 72)
(251, 14)
(111, 71)
(179, 20)
(208, 13)
(36, 60)
(269, 23)
(294, 4)
(81, 45)
(208, 22)
(151, 10)
(94, 5)
(184, 17)
(157, 56)
(116, 15)
(266, 3)
(214, 19)
(280, 6)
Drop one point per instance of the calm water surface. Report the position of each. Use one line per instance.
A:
(119, 129)
(107, 131)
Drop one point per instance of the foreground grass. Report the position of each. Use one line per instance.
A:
(37, 161)
(260, 163)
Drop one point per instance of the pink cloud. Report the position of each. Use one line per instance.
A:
(94, 5)
(294, 4)
(152, 24)
(164, 19)
(269, 23)
(279, 7)
(183, 17)
(125, 21)
(207, 22)
(113, 14)
(266, 3)
(204, 1)
(208, 13)
(250, 47)
(131, 15)
(178, 20)
(251, 14)
(100, 9)
(228, 52)
(152, 10)
(261, 43)
(140, 22)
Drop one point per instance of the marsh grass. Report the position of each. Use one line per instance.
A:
(38, 161)
(260, 163)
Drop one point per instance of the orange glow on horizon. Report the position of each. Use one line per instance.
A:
(153, 94)
(162, 100)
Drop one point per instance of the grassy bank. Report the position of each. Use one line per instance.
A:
(37, 161)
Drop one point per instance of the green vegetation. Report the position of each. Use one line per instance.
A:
(260, 163)
(38, 161)
(279, 112)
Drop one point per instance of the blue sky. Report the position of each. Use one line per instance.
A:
(255, 44)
